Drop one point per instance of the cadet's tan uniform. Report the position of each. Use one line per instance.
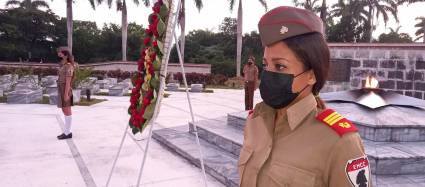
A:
(250, 77)
(65, 71)
(296, 149)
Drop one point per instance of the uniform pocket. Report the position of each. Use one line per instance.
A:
(244, 156)
(284, 175)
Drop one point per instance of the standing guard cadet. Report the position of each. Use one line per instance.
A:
(250, 72)
(65, 98)
(291, 139)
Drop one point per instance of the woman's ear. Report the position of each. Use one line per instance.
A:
(311, 77)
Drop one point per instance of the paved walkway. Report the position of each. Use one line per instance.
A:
(30, 155)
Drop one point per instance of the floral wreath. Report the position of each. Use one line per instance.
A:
(147, 79)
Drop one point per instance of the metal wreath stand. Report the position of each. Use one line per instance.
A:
(163, 71)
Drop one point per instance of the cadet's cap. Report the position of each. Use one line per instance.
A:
(285, 22)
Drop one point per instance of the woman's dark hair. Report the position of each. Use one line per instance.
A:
(312, 50)
(68, 55)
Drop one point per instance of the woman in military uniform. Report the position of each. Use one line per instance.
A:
(291, 139)
(65, 100)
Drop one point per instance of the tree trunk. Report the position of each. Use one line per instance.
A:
(124, 28)
(370, 23)
(183, 30)
(239, 40)
(69, 23)
(323, 14)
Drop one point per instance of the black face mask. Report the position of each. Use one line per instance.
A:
(276, 89)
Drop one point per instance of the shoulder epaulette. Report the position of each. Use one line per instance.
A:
(337, 122)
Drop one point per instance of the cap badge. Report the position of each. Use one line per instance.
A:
(284, 30)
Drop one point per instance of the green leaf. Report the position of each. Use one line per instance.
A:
(145, 86)
(157, 65)
(160, 46)
(155, 82)
(149, 111)
(163, 12)
(161, 28)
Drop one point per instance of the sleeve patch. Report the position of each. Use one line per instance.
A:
(358, 172)
(337, 122)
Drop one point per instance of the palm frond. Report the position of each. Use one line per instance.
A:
(93, 6)
(136, 2)
(419, 37)
(12, 2)
(232, 4)
(199, 5)
(264, 3)
(146, 3)
(38, 4)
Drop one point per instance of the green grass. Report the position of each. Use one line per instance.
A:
(102, 93)
(45, 100)
(3, 99)
(93, 101)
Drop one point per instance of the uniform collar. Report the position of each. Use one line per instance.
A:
(299, 111)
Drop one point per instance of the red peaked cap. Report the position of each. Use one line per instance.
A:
(285, 22)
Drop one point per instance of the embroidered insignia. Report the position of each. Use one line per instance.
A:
(337, 122)
(284, 30)
(358, 172)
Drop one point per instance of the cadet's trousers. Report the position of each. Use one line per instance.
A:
(249, 94)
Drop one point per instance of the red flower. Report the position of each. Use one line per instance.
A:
(151, 70)
(149, 32)
(146, 101)
(154, 18)
(155, 43)
(157, 7)
(147, 41)
(153, 28)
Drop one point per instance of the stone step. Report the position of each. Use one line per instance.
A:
(386, 157)
(398, 180)
(223, 165)
(237, 119)
(386, 124)
(218, 132)
(390, 124)
(218, 163)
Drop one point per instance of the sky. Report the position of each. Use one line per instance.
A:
(213, 13)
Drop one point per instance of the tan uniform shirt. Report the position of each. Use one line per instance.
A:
(65, 70)
(250, 72)
(297, 150)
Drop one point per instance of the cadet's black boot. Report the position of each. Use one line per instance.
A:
(63, 136)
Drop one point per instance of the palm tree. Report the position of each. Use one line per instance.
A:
(364, 11)
(122, 6)
(312, 5)
(69, 20)
(239, 32)
(307, 4)
(182, 23)
(28, 4)
(381, 7)
(420, 33)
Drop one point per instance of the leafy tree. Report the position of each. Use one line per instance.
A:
(28, 4)
(182, 22)
(239, 32)
(26, 34)
(395, 37)
(122, 7)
